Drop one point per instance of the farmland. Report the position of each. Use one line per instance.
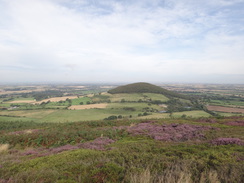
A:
(87, 134)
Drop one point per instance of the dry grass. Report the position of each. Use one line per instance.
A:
(4, 147)
(56, 99)
(211, 177)
(176, 173)
(91, 106)
(224, 109)
(22, 91)
(22, 101)
(143, 177)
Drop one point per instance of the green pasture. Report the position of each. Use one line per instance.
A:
(137, 106)
(77, 101)
(227, 103)
(155, 96)
(134, 97)
(127, 97)
(49, 115)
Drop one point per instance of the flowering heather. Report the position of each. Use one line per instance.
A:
(236, 123)
(226, 141)
(207, 120)
(63, 148)
(30, 152)
(97, 144)
(172, 132)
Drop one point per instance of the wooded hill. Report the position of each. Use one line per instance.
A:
(145, 88)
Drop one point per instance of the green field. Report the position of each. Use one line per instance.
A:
(227, 103)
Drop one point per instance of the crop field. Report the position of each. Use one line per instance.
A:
(91, 106)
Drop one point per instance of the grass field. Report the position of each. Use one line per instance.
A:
(227, 103)
(154, 96)
(126, 97)
(77, 101)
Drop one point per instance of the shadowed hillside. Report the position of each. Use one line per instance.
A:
(145, 88)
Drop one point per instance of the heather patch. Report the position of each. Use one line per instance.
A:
(97, 144)
(236, 123)
(172, 132)
(207, 120)
(226, 141)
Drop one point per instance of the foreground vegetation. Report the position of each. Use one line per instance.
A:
(84, 134)
(172, 150)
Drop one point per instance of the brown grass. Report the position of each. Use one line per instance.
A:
(56, 99)
(22, 101)
(4, 147)
(91, 106)
(225, 109)
(22, 91)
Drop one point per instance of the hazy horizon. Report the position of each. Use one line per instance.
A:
(156, 41)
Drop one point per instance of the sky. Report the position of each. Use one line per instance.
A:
(182, 41)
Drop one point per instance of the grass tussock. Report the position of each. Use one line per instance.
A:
(4, 147)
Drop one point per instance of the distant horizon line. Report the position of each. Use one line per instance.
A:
(110, 83)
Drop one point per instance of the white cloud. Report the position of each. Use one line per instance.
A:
(111, 39)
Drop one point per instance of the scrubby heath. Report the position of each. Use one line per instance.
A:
(133, 133)
(124, 150)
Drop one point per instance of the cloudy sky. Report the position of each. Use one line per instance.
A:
(190, 41)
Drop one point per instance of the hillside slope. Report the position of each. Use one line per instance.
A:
(145, 88)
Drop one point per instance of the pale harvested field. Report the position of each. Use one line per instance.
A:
(56, 99)
(22, 101)
(22, 91)
(224, 109)
(90, 106)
